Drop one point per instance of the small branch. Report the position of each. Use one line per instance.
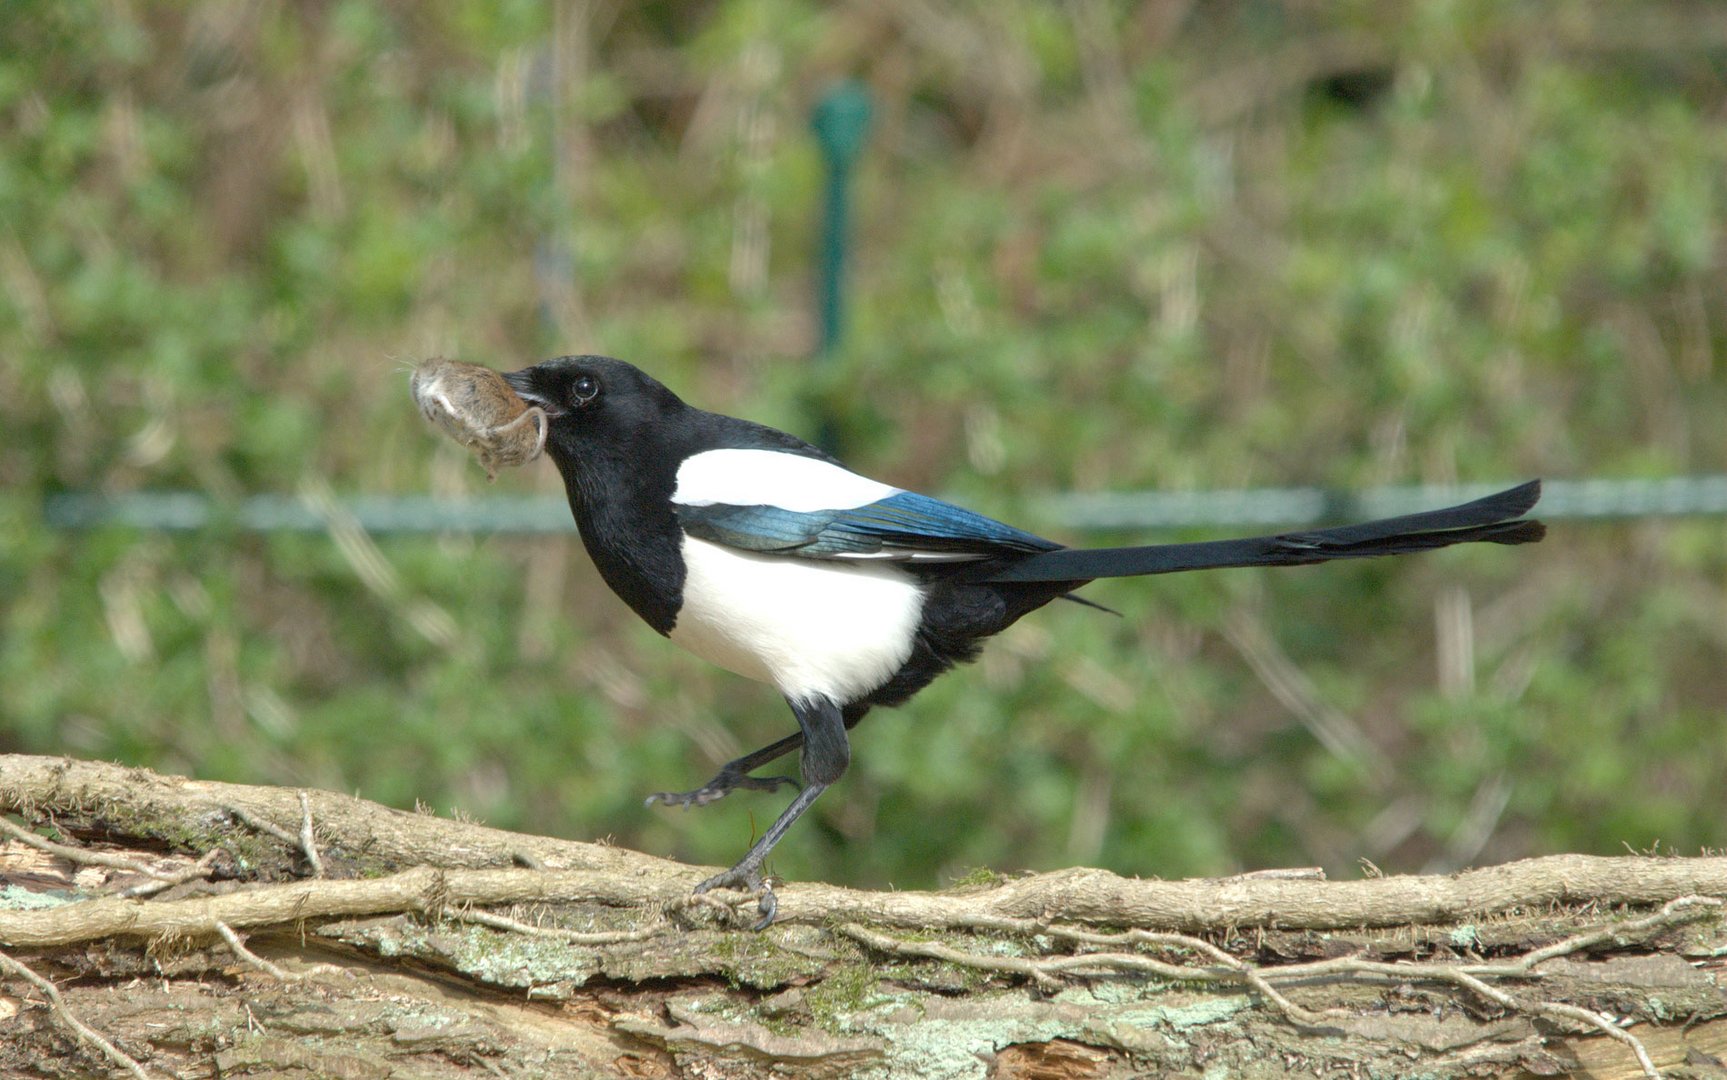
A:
(1569, 1012)
(237, 945)
(258, 824)
(199, 869)
(308, 843)
(159, 880)
(578, 937)
(1038, 971)
(84, 1032)
(1254, 977)
(422, 889)
(247, 955)
(1673, 913)
(1044, 972)
(303, 841)
(1606, 1027)
(82, 856)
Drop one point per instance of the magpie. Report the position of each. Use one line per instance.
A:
(763, 554)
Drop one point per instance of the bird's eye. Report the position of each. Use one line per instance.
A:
(585, 389)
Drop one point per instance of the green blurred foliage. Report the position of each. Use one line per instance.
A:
(1099, 246)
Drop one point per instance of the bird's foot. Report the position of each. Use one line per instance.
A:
(724, 783)
(746, 878)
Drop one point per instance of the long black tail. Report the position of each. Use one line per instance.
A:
(1494, 520)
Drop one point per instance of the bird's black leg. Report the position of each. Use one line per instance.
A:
(826, 755)
(734, 775)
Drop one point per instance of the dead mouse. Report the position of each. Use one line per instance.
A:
(477, 408)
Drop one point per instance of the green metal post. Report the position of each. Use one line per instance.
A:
(841, 122)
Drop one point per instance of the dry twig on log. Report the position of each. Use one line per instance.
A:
(84, 1032)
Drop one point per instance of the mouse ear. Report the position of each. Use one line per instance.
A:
(515, 443)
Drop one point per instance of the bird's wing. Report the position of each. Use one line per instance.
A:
(789, 504)
(904, 526)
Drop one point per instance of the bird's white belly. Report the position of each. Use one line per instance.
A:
(804, 626)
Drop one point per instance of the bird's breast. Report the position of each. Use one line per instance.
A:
(805, 626)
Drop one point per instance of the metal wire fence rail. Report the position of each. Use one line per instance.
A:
(314, 507)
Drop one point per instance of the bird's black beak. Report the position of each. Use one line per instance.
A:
(526, 383)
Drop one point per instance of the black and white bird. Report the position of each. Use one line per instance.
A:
(760, 553)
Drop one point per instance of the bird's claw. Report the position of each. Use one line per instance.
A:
(746, 880)
(718, 788)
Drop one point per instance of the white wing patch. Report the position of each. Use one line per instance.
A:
(772, 478)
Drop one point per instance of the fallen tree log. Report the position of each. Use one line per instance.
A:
(168, 927)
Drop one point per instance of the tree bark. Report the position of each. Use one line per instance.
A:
(160, 926)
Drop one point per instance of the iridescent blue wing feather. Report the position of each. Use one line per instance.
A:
(902, 526)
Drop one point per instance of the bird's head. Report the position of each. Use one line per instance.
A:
(597, 407)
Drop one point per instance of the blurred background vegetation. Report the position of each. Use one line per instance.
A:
(1099, 246)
